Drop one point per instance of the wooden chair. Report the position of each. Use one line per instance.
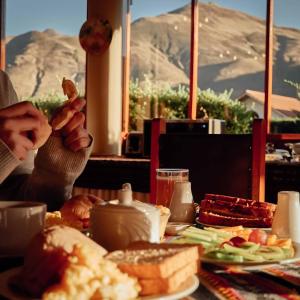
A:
(225, 164)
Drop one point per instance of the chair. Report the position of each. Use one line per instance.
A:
(229, 164)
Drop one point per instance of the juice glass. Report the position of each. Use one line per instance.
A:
(165, 181)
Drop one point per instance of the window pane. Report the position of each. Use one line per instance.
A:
(232, 58)
(286, 67)
(160, 57)
(42, 45)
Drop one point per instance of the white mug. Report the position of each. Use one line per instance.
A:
(19, 222)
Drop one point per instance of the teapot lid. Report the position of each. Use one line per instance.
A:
(125, 202)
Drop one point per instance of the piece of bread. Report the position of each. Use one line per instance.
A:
(156, 286)
(155, 261)
(47, 257)
(233, 211)
(65, 113)
(69, 89)
(211, 218)
(164, 218)
(77, 210)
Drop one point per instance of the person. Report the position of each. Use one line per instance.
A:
(49, 175)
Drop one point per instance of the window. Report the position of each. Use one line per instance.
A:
(286, 68)
(232, 60)
(42, 46)
(160, 58)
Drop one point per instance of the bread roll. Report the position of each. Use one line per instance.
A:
(77, 209)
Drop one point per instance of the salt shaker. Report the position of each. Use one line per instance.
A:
(182, 206)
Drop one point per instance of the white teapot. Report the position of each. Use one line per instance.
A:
(117, 223)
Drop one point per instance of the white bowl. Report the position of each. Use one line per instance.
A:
(19, 222)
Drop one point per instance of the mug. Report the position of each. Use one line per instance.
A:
(19, 222)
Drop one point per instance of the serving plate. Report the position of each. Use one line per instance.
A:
(220, 226)
(293, 259)
(187, 288)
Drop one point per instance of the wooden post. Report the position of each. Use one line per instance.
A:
(269, 65)
(158, 126)
(258, 159)
(2, 32)
(192, 109)
(126, 73)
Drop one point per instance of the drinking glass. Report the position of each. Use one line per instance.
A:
(165, 181)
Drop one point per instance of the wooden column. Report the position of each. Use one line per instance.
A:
(269, 65)
(258, 159)
(192, 109)
(126, 71)
(158, 126)
(2, 32)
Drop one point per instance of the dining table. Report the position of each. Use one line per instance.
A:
(275, 281)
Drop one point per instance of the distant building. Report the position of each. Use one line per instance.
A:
(282, 106)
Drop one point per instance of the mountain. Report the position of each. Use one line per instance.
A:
(231, 50)
(37, 61)
(231, 53)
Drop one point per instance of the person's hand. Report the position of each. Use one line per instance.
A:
(74, 134)
(18, 124)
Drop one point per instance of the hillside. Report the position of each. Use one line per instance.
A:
(231, 53)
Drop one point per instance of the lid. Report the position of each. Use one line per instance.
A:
(125, 203)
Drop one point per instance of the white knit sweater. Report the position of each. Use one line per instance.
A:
(49, 176)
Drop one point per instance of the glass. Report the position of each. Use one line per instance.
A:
(165, 181)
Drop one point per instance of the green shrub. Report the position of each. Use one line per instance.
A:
(48, 103)
(172, 103)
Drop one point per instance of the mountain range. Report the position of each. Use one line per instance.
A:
(231, 54)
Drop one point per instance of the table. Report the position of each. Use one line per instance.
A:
(274, 282)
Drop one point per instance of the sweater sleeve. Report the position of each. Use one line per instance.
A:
(8, 161)
(55, 170)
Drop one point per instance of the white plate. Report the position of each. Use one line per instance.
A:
(220, 226)
(187, 288)
(253, 263)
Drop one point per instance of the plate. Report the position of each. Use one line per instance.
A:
(220, 226)
(187, 288)
(253, 263)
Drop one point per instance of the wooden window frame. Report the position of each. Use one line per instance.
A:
(193, 66)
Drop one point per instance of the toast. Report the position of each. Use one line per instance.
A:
(153, 262)
(159, 268)
(169, 284)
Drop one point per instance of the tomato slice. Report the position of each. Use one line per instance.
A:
(258, 236)
(237, 241)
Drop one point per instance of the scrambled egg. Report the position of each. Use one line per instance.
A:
(89, 276)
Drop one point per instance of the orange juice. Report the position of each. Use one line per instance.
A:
(165, 180)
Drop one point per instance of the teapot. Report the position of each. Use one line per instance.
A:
(117, 223)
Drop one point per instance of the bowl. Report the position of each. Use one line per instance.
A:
(19, 222)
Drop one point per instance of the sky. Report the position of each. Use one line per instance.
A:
(67, 16)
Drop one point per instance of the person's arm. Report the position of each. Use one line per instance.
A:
(60, 161)
(55, 171)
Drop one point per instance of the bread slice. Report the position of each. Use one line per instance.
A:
(167, 285)
(155, 260)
